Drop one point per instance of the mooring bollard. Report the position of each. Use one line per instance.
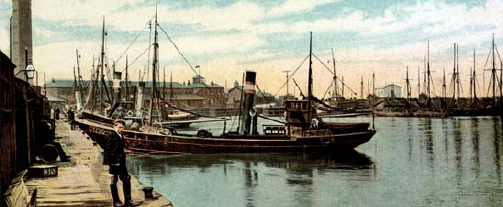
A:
(148, 192)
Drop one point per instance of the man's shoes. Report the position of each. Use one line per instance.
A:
(128, 203)
(132, 203)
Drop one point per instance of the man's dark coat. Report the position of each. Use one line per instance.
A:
(114, 149)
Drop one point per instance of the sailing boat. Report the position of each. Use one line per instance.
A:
(160, 115)
(302, 132)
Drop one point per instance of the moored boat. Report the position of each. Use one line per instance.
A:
(302, 131)
(172, 142)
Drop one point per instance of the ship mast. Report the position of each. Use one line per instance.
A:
(74, 78)
(154, 68)
(407, 80)
(335, 75)
(458, 84)
(418, 82)
(164, 83)
(474, 79)
(170, 86)
(287, 72)
(102, 76)
(424, 77)
(373, 83)
(361, 87)
(444, 87)
(493, 73)
(454, 75)
(471, 84)
(310, 78)
(79, 77)
(127, 80)
(428, 74)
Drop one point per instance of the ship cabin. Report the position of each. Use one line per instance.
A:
(297, 116)
(297, 112)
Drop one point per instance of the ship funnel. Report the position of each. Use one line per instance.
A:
(249, 92)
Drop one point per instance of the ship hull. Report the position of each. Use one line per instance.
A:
(161, 143)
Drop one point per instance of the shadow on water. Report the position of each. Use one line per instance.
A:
(253, 174)
(293, 162)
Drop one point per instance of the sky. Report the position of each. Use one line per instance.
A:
(227, 37)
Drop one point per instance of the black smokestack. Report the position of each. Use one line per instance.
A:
(249, 90)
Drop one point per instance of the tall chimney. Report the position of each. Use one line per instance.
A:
(21, 36)
(249, 90)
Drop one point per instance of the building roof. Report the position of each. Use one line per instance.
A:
(187, 96)
(390, 85)
(203, 85)
(178, 96)
(67, 83)
(5, 59)
(159, 84)
(259, 94)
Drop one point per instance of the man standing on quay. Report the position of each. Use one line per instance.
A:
(115, 157)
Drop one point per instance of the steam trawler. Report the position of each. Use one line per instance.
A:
(302, 131)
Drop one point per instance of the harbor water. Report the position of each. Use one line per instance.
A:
(409, 162)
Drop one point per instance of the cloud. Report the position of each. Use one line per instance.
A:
(236, 16)
(297, 6)
(86, 12)
(90, 12)
(62, 57)
(429, 18)
(209, 45)
(44, 33)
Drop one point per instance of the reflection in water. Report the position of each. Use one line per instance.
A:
(252, 174)
(421, 162)
(458, 142)
(475, 145)
(497, 146)
(446, 139)
(251, 181)
(428, 133)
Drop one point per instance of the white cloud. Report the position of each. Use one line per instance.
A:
(62, 57)
(90, 13)
(233, 17)
(297, 6)
(44, 33)
(430, 18)
(87, 12)
(219, 44)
